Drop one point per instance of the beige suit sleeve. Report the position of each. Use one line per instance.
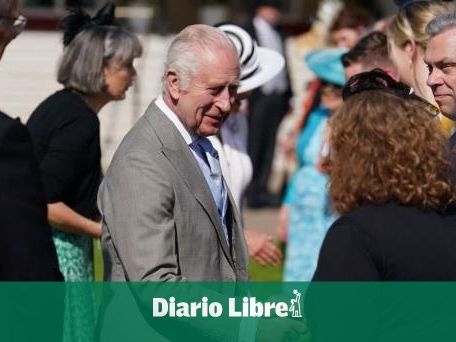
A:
(137, 200)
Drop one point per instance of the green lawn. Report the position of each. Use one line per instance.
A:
(97, 260)
(257, 272)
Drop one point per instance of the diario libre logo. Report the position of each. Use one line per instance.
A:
(250, 307)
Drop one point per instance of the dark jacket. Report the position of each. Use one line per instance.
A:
(390, 259)
(390, 242)
(26, 248)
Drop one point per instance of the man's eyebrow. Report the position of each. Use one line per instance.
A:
(448, 60)
(444, 60)
(218, 85)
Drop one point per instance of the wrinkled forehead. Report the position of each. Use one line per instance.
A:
(218, 59)
(217, 70)
(223, 52)
(441, 47)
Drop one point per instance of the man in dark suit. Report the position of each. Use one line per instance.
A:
(267, 104)
(26, 248)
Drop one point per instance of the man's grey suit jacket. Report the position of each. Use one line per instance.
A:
(160, 222)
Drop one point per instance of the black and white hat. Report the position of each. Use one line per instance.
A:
(258, 64)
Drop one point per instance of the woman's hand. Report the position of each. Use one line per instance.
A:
(262, 248)
(66, 219)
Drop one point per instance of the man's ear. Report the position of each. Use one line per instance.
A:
(172, 83)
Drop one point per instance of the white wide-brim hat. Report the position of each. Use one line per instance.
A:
(258, 64)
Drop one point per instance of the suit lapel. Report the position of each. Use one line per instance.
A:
(239, 256)
(181, 158)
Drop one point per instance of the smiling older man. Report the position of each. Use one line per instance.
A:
(167, 212)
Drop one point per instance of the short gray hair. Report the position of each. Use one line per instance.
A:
(440, 24)
(184, 53)
(81, 66)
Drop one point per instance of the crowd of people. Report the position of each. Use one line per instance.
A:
(372, 196)
(309, 207)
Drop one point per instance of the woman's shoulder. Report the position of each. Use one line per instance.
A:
(379, 219)
(69, 100)
(61, 108)
(12, 131)
(372, 227)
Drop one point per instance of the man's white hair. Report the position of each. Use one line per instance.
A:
(440, 24)
(186, 50)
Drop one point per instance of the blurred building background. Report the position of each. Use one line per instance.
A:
(28, 67)
(167, 16)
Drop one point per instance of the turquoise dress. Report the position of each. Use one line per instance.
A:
(66, 136)
(307, 198)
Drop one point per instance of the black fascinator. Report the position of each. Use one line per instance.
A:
(105, 15)
(79, 20)
(377, 79)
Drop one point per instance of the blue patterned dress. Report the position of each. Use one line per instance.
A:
(307, 199)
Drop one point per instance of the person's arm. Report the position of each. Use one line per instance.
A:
(282, 223)
(66, 219)
(284, 211)
(137, 203)
(71, 151)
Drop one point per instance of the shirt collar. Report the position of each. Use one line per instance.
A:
(188, 136)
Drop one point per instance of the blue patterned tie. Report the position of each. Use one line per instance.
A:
(214, 178)
(210, 156)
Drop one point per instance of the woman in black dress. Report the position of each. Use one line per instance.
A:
(96, 68)
(392, 183)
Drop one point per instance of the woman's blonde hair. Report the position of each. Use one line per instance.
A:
(410, 23)
(388, 148)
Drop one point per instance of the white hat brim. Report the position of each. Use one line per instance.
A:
(270, 64)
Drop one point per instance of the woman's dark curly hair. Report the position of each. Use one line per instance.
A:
(386, 147)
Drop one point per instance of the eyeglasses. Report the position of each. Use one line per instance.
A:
(18, 23)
